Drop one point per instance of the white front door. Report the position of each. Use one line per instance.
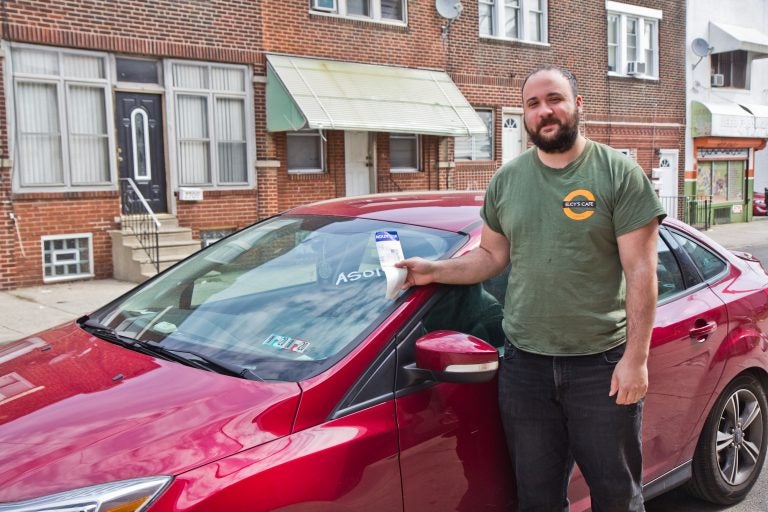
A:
(668, 166)
(511, 136)
(357, 163)
(666, 173)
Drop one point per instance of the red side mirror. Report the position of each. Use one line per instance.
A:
(455, 357)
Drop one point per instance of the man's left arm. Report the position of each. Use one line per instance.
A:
(638, 254)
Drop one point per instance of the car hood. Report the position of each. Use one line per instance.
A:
(76, 411)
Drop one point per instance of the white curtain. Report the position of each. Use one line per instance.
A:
(228, 79)
(36, 62)
(41, 93)
(88, 138)
(194, 144)
(230, 137)
(83, 66)
(190, 77)
(39, 137)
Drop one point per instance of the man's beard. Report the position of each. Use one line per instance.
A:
(563, 141)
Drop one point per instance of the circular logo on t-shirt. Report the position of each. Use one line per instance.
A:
(579, 204)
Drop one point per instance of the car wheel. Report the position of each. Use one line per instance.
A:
(732, 446)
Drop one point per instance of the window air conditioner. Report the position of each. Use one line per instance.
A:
(718, 80)
(635, 68)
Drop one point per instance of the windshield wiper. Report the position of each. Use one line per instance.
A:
(207, 363)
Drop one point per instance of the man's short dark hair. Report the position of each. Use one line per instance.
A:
(563, 71)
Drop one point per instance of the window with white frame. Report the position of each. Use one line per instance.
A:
(376, 10)
(476, 147)
(403, 152)
(211, 111)
(305, 151)
(633, 40)
(62, 129)
(67, 257)
(525, 20)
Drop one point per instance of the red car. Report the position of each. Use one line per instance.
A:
(758, 204)
(270, 371)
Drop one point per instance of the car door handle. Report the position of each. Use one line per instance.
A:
(702, 330)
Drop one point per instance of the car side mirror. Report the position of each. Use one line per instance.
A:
(451, 356)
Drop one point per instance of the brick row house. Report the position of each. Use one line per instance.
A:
(222, 112)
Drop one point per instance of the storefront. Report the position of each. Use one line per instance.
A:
(725, 139)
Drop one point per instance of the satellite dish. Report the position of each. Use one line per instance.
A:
(449, 9)
(700, 47)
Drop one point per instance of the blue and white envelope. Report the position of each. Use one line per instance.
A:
(390, 252)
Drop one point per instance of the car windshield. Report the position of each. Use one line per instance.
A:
(286, 297)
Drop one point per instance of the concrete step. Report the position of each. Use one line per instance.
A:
(132, 263)
(181, 248)
(165, 234)
(166, 220)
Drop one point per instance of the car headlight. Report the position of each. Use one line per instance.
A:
(124, 496)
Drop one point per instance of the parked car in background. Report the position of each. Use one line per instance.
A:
(758, 204)
(270, 372)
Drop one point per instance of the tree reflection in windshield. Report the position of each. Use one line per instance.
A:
(292, 294)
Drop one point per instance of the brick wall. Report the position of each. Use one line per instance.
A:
(41, 215)
(643, 115)
(211, 30)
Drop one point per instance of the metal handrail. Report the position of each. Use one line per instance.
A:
(693, 210)
(141, 220)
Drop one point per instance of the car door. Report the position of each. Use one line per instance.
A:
(453, 453)
(683, 370)
(691, 324)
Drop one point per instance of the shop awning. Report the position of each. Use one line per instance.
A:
(727, 38)
(728, 120)
(304, 93)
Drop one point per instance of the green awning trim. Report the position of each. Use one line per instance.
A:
(728, 119)
(304, 93)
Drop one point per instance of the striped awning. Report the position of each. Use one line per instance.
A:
(305, 93)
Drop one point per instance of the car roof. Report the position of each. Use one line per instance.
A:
(448, 210)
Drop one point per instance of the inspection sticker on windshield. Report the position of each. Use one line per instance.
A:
(390, 252)
(286, 343)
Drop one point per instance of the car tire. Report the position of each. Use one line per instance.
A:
(732, 446)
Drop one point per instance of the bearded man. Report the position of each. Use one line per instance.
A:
(578, 221)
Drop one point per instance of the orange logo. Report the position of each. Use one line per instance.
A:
(579, 199)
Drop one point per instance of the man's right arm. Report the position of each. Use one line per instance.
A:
(484, 262)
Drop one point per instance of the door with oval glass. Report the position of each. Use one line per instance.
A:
(140, 146)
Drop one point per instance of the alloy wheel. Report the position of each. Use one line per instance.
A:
(739, 438)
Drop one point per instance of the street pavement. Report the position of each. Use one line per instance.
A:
(25, 311)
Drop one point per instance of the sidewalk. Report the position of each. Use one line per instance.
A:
(25, 311)
(743, 234)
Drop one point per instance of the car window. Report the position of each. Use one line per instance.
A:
(287, 297)
(670, 278)
(469, 309)
(707, 262)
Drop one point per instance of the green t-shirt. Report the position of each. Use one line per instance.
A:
(566, 291)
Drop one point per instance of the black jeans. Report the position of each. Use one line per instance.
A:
(556, 410)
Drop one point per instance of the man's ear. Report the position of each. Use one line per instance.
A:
(579, 102)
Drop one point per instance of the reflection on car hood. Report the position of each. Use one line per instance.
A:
(80, 411)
